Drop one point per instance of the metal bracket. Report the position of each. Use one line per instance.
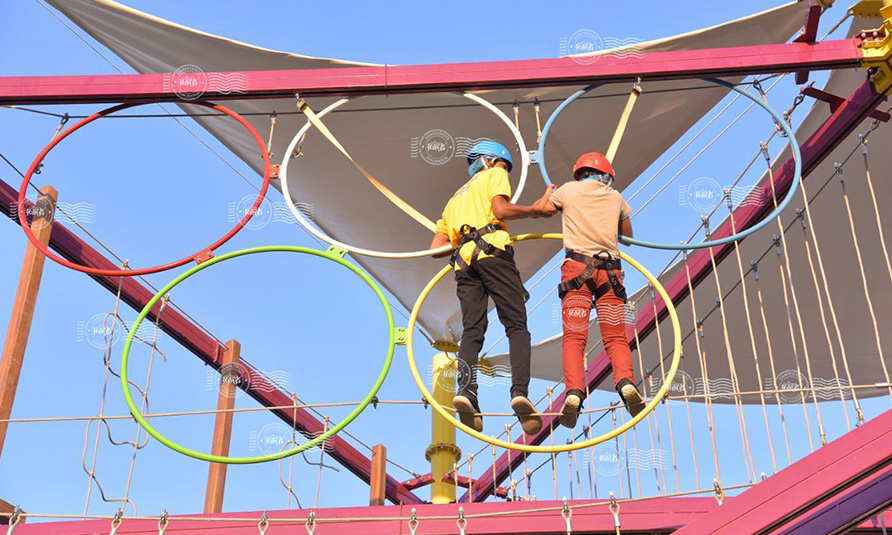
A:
(399, 334)
(336, 252)
(876, 45)
(448, 347)
(203, 256)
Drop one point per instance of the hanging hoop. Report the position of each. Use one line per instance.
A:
(202, 255)
(331, 254)
(670, 375)
(781, 121)
(524, 168)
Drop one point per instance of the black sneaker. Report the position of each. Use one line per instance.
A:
(527, 414)
(630, 396)
(570, 410)
(468, 410)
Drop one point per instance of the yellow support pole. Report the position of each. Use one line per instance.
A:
(442, 453)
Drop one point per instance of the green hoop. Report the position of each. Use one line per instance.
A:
(333, 254)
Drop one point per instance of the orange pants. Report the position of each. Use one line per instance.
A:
(575, 308)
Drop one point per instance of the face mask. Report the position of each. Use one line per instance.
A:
(476, 166)
(594, 175)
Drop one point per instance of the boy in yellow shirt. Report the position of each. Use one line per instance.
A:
(473, 222)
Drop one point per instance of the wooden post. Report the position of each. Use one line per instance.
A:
(213, 499)
(379, 475)
(7, 508)
(13, 354)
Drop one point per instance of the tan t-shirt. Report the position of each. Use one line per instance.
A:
(591, 213)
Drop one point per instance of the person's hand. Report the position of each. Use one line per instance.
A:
(547, 208)
(543, 206)
(551, 188)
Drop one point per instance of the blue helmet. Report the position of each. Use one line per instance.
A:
(487, 148)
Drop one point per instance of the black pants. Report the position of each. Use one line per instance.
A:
(499, 279)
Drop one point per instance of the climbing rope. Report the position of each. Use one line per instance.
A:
(867, 298)
(623, 121)
(313, 119)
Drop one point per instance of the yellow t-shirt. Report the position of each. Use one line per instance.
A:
(472, 205)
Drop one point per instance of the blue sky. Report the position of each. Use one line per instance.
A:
(316, 326)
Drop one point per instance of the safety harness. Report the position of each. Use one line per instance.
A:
(469, 233)
(586, 277)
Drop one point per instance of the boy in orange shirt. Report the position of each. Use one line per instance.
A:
(593, 213)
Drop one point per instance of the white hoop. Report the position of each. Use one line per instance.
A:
(283, 180)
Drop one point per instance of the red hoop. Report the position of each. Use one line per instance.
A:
(197, 257)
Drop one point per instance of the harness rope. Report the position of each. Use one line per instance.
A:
(623, 121)
(391, 196)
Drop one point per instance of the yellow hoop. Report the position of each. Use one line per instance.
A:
(676, 358)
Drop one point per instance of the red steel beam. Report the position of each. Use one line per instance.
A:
(678, 64)
(418, 482)
(808, 483)
(835, 100)
(843, 121)
(809, 33)
(655, 516)
(206, 348)
(461, 481)
(466, 483)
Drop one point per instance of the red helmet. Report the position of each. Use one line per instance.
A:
(593, 160)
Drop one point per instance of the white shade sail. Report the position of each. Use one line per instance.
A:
(382, 133)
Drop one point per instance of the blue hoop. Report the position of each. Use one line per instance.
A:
(781, 121)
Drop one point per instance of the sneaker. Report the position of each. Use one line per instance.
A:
(527, 414)
(468, 411)
(630, 396)
(570, 410)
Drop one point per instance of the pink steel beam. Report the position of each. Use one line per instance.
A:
(655, 516)
(805, 484)
(661, 515)
(679, 64)
(191, 337)
(850, 508)
(844, 119)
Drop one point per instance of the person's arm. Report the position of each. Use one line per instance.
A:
(441, 239)
(505, 210)
(625, 220)
(546, 206)
(625, 227)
